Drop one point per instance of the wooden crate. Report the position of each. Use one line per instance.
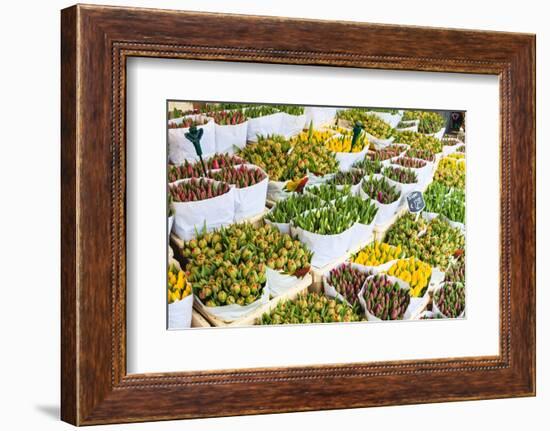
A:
(197, 321)
(250, 319)
(317, 273)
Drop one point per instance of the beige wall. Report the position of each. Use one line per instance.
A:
(184, 106)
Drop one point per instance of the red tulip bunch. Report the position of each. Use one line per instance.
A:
(409, 162)
(228, 118)
(386, 299)
(241, 176)
(188, 122)
(197, 189)
(348, 281)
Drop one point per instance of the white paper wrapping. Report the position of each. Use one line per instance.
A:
(450, 149)
(439, 134)
(250, 201)
(406, 188)
(347, 160)
(180, 148)
(313, 179)
(275, 190)
(320, 116)
(170, 224)
(291, 125)
(230, 137)
(212, 213)
(180, 313)
(283, 227)
(325, 248)
(361, 235)
(412, 126)
(378, 142)
(266, 125)
(426, 315)
(280, 283)
(392, 119)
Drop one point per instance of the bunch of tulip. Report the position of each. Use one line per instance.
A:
(241, 176)
(227, 118)
(451, 172)
(456, 269)
(377, 253)
(400, 175)
(430, 122)
(327, 220)
(433, 242)
(418, 153)
(380, 190)
(194, 169)
(451, 299)
(351, 177)
(447, 201)
(385, 299)
(329, 192)
(412, 271)
(291, 109)
(418, 141)
(386, 153)
(228, 266)
(178, 286)
(362, 210)
(260, 111)
(409, 162)
(343, 143)
(188, 122)
(371, 123)
(348, 281)
(197, 189)
(271, 154)
(368, 166)
(285, 210)
(311, 308)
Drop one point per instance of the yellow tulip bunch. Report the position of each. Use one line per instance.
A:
(377, 253)
(178, 286)
(412, 271)
(456, 155)
(317, 136)
(342, 144)
(451, 172)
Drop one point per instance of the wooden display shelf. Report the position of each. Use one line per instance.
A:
(197, 321)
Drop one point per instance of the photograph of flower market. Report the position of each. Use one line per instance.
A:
(288, 214)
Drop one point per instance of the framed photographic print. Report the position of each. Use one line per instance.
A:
(328, 222)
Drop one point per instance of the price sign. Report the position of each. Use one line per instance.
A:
(415, 201)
